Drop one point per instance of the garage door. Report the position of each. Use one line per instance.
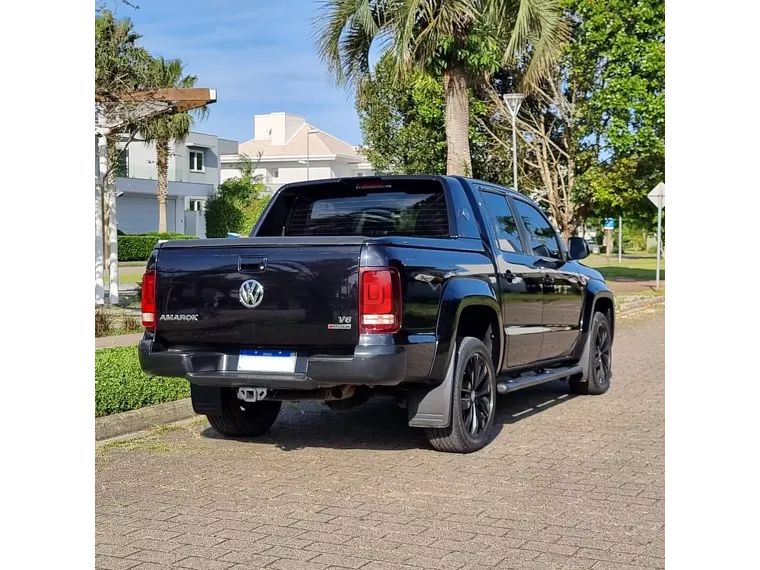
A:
(139, 214)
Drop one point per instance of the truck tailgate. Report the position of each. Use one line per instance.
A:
(258, 292)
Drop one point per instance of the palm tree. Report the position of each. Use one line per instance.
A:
(166, 128)
(450, 35)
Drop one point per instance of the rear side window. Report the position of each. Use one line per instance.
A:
(404, 209)
(504, 224)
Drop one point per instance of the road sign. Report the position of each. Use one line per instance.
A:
(609, 223)
(657, 195)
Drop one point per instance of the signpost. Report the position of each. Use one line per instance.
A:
(620, 239)
(609, 227)
(657, 197)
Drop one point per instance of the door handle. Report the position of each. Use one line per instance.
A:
(252, 264)
(547, 262)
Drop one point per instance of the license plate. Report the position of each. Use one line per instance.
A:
(267, 361)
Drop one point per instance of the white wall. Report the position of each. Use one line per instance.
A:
(282, 126)
(228, 172)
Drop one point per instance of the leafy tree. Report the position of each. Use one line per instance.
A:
(592, 130)
(121, 66)
(616, 73)
(403, 125)
(237, 203)
(165, 128)
(461, 39)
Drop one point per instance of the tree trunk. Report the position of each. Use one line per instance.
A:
(457, 116)
(162, 164)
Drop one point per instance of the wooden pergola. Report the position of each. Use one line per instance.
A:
(112, 113)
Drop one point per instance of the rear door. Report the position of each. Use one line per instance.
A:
(520, 284)
(563, 290)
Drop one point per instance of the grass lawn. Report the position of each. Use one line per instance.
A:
(125, 278)
(132, 264)
(642, 269)
(121, 385)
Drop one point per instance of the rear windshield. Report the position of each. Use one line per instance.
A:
(405, 208)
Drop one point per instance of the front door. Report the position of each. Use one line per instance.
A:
(562, 287)
(520, 285)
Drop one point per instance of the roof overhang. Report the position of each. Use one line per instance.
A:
(199, 144)
(233, 158)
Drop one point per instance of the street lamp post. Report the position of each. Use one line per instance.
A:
(308, 134)
(513, 102)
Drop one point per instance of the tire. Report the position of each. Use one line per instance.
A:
(244, 419)
(458, 437)
(597, 359)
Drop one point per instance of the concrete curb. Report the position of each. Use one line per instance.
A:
(114, 341)
(126, 423)
(639, 304)
(115, 425)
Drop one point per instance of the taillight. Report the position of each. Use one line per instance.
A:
(379, 300)
(149, 300)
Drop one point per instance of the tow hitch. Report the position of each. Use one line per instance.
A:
(251, 394)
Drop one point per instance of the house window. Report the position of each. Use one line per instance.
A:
(122, 164)
(196, 161)
(275, 173)
(196, 205)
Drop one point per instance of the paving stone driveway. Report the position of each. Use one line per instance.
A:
(568, 482)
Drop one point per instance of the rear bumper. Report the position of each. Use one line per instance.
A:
(377, 365)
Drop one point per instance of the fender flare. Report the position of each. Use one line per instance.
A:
(595, 291)
(430, 405)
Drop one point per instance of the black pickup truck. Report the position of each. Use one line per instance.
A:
(442, 290)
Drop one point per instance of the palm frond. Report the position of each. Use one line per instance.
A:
(177, 126)
(535, 28)
(345, 32)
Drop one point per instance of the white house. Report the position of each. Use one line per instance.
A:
(288, 149)
(194, 174)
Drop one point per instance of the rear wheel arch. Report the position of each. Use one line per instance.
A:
(460, 295)
(481, 321)
(604, 304)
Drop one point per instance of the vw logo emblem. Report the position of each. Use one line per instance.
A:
(251, 293)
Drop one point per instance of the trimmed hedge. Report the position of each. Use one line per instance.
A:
(121, 385)
(137, 247)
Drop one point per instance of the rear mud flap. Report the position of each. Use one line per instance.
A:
(207, 400)
(430, 407)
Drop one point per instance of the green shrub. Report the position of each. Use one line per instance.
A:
(236, 205)
(120, 384)
(134, 247)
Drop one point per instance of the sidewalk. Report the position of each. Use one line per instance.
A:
(121, 340)
(629, 287)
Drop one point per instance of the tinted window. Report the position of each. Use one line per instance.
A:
(372, 214)
(504, 224)
(540, 232)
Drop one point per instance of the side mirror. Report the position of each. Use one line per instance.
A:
(578, 248)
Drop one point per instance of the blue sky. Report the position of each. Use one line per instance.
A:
(259, 55)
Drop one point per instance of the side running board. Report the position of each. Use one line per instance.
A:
(513, 384)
